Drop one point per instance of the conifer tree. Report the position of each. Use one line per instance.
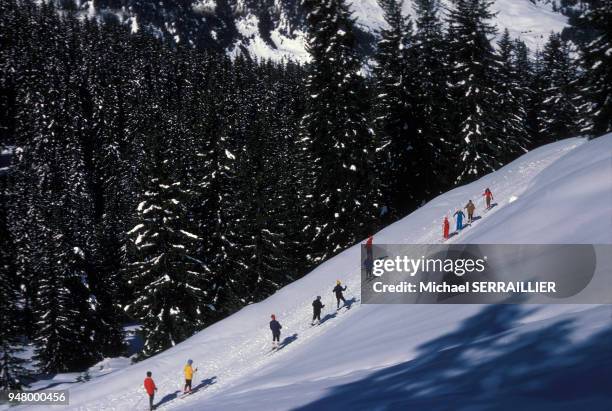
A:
(214, 177)
(473, 64)
(510, 102)
(260, 195)
(11, 366)
(66, 310)
(242, 161)
(289, 170)
(170, 286)
(345, 194)
(393, 110)
(559, 111)
(53, 208)
(431, 103)
(64, 307)
(65, 328)
(597, 63)
(528, 82)
(537, 85)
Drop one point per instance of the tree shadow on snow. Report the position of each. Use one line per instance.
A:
(484, 366)
(27, 382)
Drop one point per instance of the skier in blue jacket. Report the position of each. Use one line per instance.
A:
(460, 216)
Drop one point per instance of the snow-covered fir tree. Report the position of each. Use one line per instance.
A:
(262, 227)
(169, 282)
(431, 102)
(537, 83)
(99, 221)
(253, 224)
(11, 364)
(11, 332)
(64, 307)
(65, 332)
(66, 310)
(54, 208)
(524, 70)
(473, 65)
(237, 171)
(597, 62)
(510, 103)
(559, 110)
(214, 177)
(345, 194)
(289, 169)
(393, 110)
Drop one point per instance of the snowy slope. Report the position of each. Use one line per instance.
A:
(413, 356)
(531, 22)
(275, 29)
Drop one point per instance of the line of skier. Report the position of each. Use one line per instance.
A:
(459, 215)
(275, 327)
(317, 304)
(317, 308)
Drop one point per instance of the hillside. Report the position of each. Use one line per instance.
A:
(402, 356)
(275, 29)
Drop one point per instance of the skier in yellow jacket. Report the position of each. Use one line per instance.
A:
(188, 370)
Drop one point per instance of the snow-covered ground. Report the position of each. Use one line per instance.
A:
(36, 382)
(422, 357)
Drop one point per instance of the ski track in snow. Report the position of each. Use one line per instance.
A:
(237, 352)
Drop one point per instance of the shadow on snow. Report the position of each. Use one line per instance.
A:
(327, 317)
(332, 315)
(484, 366)
(287, 341)
(172, 396)
(168, 397)
(348, 304)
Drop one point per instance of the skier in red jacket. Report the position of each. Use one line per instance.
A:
(446, 226)
(488, 195)
(369, 246)
(150, 387)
